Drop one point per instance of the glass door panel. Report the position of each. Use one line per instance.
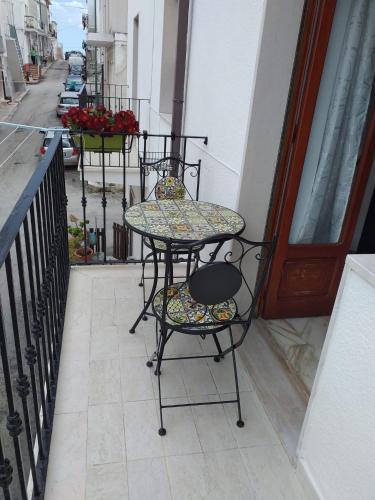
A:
(338, 126)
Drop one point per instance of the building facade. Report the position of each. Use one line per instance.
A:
(106, 41)
(26, 30)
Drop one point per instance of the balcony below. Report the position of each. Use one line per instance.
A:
(99, 39)
(105, 443)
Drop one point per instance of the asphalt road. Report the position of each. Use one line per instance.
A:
(19, 155)
(19, 149)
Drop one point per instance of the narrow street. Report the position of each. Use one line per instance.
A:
(19, 148)
(19, 154)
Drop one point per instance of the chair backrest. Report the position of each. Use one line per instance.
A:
(230, 271)
(156, 167)
(170, 188)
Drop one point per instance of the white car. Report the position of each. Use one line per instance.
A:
(70, 150)
(67, 100)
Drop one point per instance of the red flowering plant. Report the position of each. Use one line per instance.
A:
(99, 119)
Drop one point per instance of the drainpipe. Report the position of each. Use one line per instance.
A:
(179, 79)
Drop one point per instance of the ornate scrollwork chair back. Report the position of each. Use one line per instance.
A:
(221, 294)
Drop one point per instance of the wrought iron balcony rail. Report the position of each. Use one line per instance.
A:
(34, 274)
(155, 156)
(112, 96)
(32, 22)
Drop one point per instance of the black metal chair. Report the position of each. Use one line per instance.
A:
(163, 186)
(216, 297)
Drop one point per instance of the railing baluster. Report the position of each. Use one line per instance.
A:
(44, 309)
(39, 331)
(30, 350)
(6, 473)
(83, 199)
(22, 382)
(104, 203)
(35, 324)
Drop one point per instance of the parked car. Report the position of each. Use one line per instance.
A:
(75, 61)
(70, 150)
(77, 70)
(74, 83)
(67, 100)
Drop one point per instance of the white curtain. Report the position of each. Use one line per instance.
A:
(325, 208)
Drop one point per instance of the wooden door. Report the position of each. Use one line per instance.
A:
(304, 277)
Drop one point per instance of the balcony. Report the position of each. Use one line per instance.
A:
(77, 396)
(33, 24)
(99, 39)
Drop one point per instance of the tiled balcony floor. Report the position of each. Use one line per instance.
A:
(105, 444)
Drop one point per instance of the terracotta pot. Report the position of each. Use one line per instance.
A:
(80, 253)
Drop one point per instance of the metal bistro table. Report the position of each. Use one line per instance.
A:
(178, 221)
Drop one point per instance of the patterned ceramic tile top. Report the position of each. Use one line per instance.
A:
(183, 220)
(182, 308)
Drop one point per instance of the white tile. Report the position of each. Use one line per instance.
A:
(271, 474)
(72, 387)
(228, 477)
(104, 343)
(76, 343)
(258, 430)
(136, 379)
(106, 482)
(103, 288)
(79, 307)
(212, 425)
(141, 430)
(103, 311)
(197, 377)
(182, 437)
(223, 375)
(104, 383)
(212, 476)
(126, 288)
(131, 344)
(181, 344)
(105, 437)
(67, 459)
(171, 381)
(126, 311)
(148, 479)
(189, 477)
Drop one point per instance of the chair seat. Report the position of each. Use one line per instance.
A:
(161, 246)
(182, 309)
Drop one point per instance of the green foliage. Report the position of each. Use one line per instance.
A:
(76, 229)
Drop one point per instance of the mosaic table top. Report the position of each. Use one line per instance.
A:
(182, 220)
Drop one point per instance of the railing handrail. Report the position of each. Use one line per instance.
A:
(15, 219)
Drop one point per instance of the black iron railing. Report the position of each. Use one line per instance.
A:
(112, 96)
(102, 214)
(34, 274)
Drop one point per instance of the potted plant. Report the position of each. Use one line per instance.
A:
(100, 127)
(77, 250)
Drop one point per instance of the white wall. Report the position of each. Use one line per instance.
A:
(336, 454)
(239, 65)
(223, 47)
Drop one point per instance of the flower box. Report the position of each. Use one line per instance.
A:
(95, 143)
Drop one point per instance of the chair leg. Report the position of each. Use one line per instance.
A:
(162, 431)
(142, 282)
(217, 343)
(153, 357)
(240, 422)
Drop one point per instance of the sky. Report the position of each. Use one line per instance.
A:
(68, 15)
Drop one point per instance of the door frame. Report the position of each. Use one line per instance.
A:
(314, 37)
